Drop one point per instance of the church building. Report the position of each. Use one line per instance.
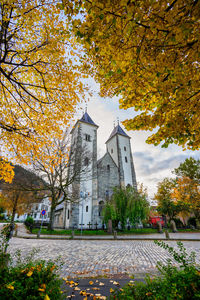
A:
(94, 186)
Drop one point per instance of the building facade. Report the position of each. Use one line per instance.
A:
(96, 178)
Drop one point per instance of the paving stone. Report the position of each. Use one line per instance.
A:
(87, 258)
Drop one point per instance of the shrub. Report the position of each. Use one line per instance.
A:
(24, 278)
(32, 281)
(181, 282)
(29, 223)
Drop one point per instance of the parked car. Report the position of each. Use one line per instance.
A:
(154, 220)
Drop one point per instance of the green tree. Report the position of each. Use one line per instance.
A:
(189, 168)
(126, 204)
(166, 204)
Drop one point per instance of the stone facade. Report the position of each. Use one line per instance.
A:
(94, 184)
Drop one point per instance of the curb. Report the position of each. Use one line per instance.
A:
(107, 239)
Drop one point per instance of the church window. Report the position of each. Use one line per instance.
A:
(124, 148)
(126, 160)
(101, 206)
(87, 137)
(111, 150)
(108, 168)
(68, 214)
(86, 208)
(86, 161)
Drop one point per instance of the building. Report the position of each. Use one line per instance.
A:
(35, 211)
(94, 186)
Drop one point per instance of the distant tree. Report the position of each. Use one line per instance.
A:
(187, 193)
(147, 52)
(166, 203)
(126, 204)
(189, 168)
(18, 196)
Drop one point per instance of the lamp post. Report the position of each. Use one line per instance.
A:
(82, 196)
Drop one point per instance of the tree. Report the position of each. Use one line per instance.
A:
(39, 79)
(187, 192)
(60, 166)
(126, 204)
(166, 204)
(189, 168)
(18, 196)
(148, 53)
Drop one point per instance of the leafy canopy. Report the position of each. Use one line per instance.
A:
(189, 168)
(39, 81)
(148, 53)
(126, 204)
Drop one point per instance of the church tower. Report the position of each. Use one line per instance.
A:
(84, 149)
(119, 147)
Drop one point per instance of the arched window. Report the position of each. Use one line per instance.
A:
(86, 209)
(108, 168)
(86, 161)
(124, 148)
(101, 206)
(111, 150)
(126, 160)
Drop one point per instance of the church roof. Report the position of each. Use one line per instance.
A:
(117, 130)
(86, 119)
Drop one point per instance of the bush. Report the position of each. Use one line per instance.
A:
(182, 282)
(192, 221)
(29, 223)
(30, 280)
(179, 223)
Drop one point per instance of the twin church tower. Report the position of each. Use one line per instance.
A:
(96, 178)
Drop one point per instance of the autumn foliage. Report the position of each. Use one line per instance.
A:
(39, 79)
(148, 53)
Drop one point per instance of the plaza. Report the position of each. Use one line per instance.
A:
(88, 258)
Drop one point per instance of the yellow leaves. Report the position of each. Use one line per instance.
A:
(47, 81)
(6, 171)
(91, 282)
(156, 52)
(111, 290)
(30, 272)
(10, 286)
(46, 297)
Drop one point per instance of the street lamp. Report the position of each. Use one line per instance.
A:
(82, 196)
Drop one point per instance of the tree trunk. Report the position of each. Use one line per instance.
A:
(11, 227)
(51, 221)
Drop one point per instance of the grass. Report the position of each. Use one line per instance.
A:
(95, 232)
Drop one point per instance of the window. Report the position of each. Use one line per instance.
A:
(126, 160)
(86, 208)
(108, 168)
(124, 148)
(68, 214)
(35, 215)
(87, 137)
(36, 207)
(86, 161)
(111, 150)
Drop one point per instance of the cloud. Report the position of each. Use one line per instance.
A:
(152, 164)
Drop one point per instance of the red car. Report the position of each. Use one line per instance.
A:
(153, 221)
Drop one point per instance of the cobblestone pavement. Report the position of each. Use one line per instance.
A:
(84, 258)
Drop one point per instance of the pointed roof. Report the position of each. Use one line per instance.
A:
(117, 130)
(86, 119)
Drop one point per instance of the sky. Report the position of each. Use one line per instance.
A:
(152, 163)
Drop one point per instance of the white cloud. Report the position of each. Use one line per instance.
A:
(152, 164)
